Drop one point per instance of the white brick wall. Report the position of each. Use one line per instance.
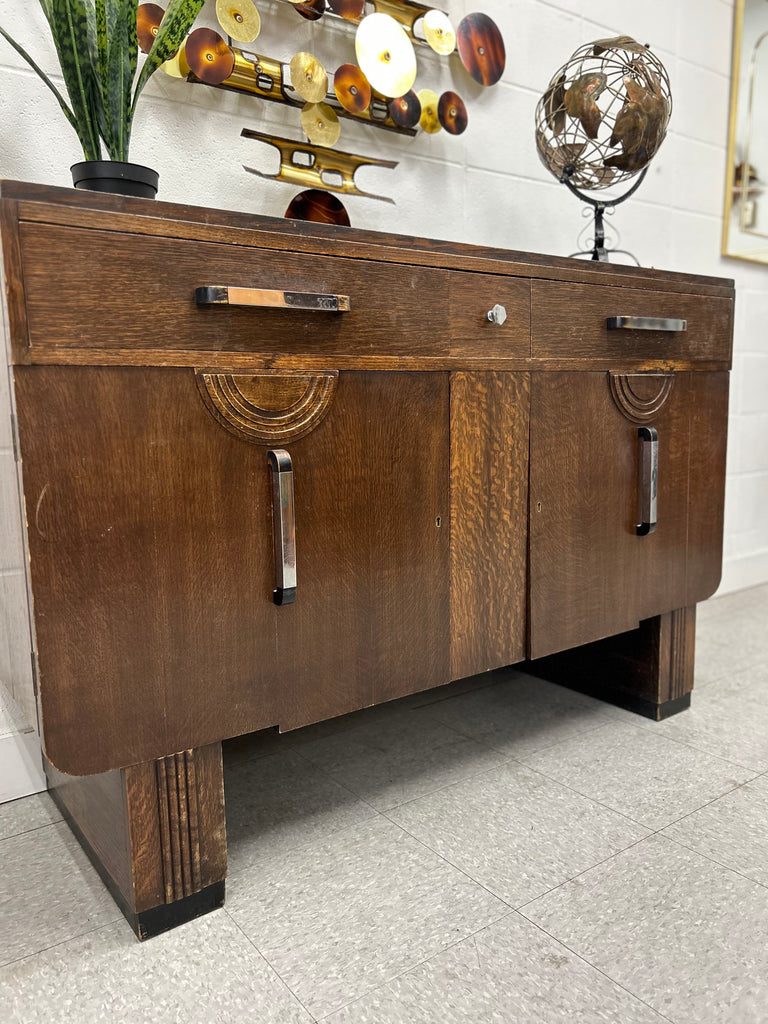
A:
(486, 186)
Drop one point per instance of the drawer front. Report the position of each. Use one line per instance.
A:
(569, 322)
(110, 290)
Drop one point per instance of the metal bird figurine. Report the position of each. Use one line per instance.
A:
(580, 101)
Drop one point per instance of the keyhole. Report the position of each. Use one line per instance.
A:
(538, 506)
(439, 522)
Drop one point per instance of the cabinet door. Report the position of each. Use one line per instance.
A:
(592, 574)
(152, 556)
(370, 622)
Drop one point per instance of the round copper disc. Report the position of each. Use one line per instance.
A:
(318, 206)
(386, 55)
(312, 10)
(148, 18)
(208, 56)
(321, 124)
(239, 19)
(352, 88)
(309, 77)
(452, 113)
(405, 111)
(481, 48)
(430, 119)
(351, 9)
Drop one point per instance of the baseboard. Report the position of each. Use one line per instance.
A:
(21, 766)
(743, 573)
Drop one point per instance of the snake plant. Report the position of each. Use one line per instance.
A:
(97, 45)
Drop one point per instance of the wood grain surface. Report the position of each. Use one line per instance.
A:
(371, 619)
(590, 575)
(489, 513)
(569, 321)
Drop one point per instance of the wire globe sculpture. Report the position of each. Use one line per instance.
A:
(604, 114)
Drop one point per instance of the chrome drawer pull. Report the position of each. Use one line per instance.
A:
(223, 295)
(284, 518)
(645, 323)
(648, 487)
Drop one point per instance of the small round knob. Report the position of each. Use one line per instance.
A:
(497, 315)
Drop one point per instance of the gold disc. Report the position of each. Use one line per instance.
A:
(430, 118)
(148, 18)
(309, 77)
(439, 32)
(209, 56)
(320, 124)
(239, 19)
(352, 88)
(385, 53)
(177, 66)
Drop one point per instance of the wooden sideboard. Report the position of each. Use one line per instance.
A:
(463, 494)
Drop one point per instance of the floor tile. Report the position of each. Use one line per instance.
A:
(733, 830)
(49, 892)
(730, 642)
(202, 972)
(391, 761)
(516, 832)
(729, 726)
(687, 936)
(342, 917)
(509, 973)
(639, 772)
(520, 715)
(282, 801)
(27, 814)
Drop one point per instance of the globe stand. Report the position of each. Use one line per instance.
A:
(598, 250)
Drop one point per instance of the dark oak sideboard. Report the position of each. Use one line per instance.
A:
(460, 492)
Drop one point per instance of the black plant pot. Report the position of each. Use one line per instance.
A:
(115, 176)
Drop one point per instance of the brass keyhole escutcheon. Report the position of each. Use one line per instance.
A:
(538, 506)
(439, 522)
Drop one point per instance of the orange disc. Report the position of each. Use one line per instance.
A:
(209, 56)
(405, 111)
(318, 206)
(350, 9)
(312, 10)
(452, 113)
(352, 88)
(148, 18)
(481, 48)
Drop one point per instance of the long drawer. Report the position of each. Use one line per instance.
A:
(90, 289)
(569, 321)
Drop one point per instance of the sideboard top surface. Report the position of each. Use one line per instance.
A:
(51, 204)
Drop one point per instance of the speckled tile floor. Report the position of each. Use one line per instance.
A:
(507, 853)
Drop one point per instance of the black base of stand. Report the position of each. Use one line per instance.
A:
(599, 251)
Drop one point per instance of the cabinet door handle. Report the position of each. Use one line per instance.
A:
(646, 323)
(648, 483)
(223, 295)
(284, 518)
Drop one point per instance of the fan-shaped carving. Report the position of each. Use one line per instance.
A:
(641, 396)
(268, 407)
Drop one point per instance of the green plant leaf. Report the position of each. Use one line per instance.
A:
(121, 70)
(42, 75)
(69, 25)
(179, 18)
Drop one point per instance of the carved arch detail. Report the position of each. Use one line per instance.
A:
(268, 406)
(640, 397)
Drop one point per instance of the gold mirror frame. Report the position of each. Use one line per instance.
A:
(745, 217)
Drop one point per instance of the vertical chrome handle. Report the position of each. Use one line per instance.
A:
(648, 482)
(284, 518)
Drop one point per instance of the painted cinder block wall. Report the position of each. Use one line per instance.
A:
(486, 186)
